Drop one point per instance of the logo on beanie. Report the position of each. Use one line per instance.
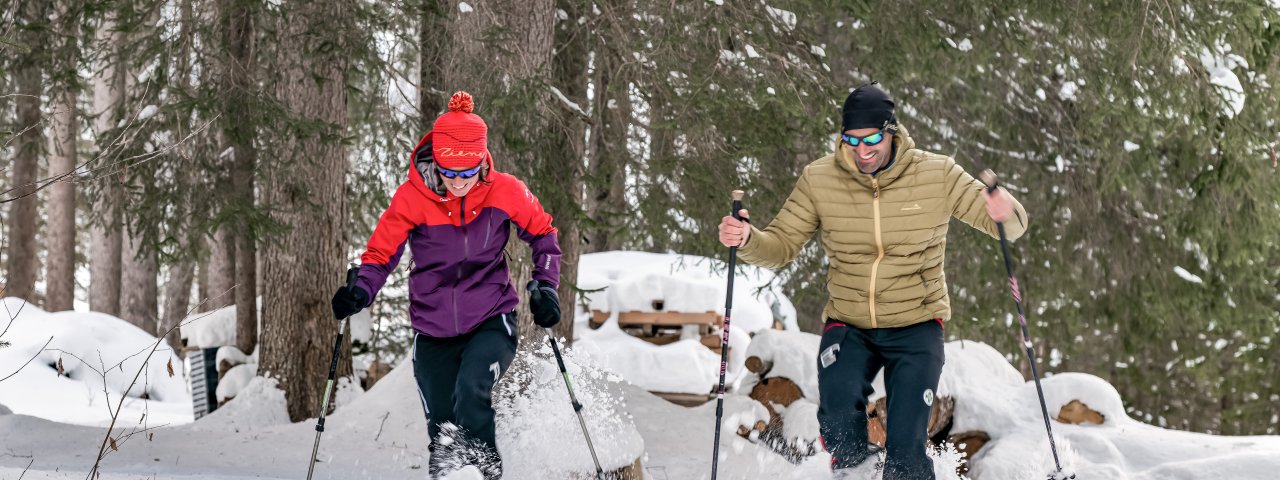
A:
(450, 152)
(928, 397)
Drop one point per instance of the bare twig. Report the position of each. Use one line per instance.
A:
(33, 357)
(146, 157)
(24, 471)
(384, 423)
(12, 316)
(115, 415)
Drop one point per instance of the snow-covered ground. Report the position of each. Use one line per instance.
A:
(56, 426)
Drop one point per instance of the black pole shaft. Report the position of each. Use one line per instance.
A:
(1022, 322)
(1026, 341)
(333, 371)
(724, 343)
(577, 407)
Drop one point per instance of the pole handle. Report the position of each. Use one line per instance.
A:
(989, 179)
(737, 203)
(353, 274)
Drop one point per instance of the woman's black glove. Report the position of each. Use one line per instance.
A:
(349, 301)
(544, 304)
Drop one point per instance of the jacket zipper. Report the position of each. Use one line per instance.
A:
(488, 230)
(466, 250)
(875, 267)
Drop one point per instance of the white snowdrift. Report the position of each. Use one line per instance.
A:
(100, 356)
(217, 328)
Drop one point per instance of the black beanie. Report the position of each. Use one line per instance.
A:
(867, 107)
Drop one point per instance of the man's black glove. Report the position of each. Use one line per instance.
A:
(348, 301)
(544, 304)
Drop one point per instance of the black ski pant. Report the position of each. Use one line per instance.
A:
(456, 376)
(848, 360)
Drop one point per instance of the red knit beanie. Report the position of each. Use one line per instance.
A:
(459, 137)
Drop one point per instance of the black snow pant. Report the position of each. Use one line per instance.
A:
(455, 378)
(848, 360)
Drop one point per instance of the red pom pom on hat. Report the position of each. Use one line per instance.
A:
(462, 102)
(460, 138)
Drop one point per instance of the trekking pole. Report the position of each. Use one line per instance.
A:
(577, 407)
(724, 340)
(989, 179)
(333, 369)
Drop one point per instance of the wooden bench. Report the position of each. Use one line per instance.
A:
(663, 328)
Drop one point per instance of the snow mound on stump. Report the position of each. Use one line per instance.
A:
(236, 380)
(792, 355)
(1094, 392)
(259, 405)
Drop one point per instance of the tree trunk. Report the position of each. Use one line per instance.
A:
(138, 301)
(202, 283)
(569, 67)
(177, 300)
(433, 48)
(139, 295)
(60, 278)
(611, 113)
(239, 86)
(222, 269)
(24, 260)
(246, 292)
(105, 248)
(304, 184)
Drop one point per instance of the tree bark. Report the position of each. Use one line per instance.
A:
(60, 278)
(433, 47)
(239, 86)
(222, 269)
(177, 300)
(304, 184)
(569, 66)
(138, 301)
(24, 261)
(609, 154)
(246, 292)
(105, 248)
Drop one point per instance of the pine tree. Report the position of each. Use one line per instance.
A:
(304, 185)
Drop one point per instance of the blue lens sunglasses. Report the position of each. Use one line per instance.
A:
(464, 174)
(870, 140)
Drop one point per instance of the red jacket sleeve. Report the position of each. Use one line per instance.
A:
(385, 247)
(533, 224)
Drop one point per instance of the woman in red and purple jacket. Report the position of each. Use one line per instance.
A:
(454, 212)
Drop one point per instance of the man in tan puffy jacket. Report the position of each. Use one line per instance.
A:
(883, 208)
